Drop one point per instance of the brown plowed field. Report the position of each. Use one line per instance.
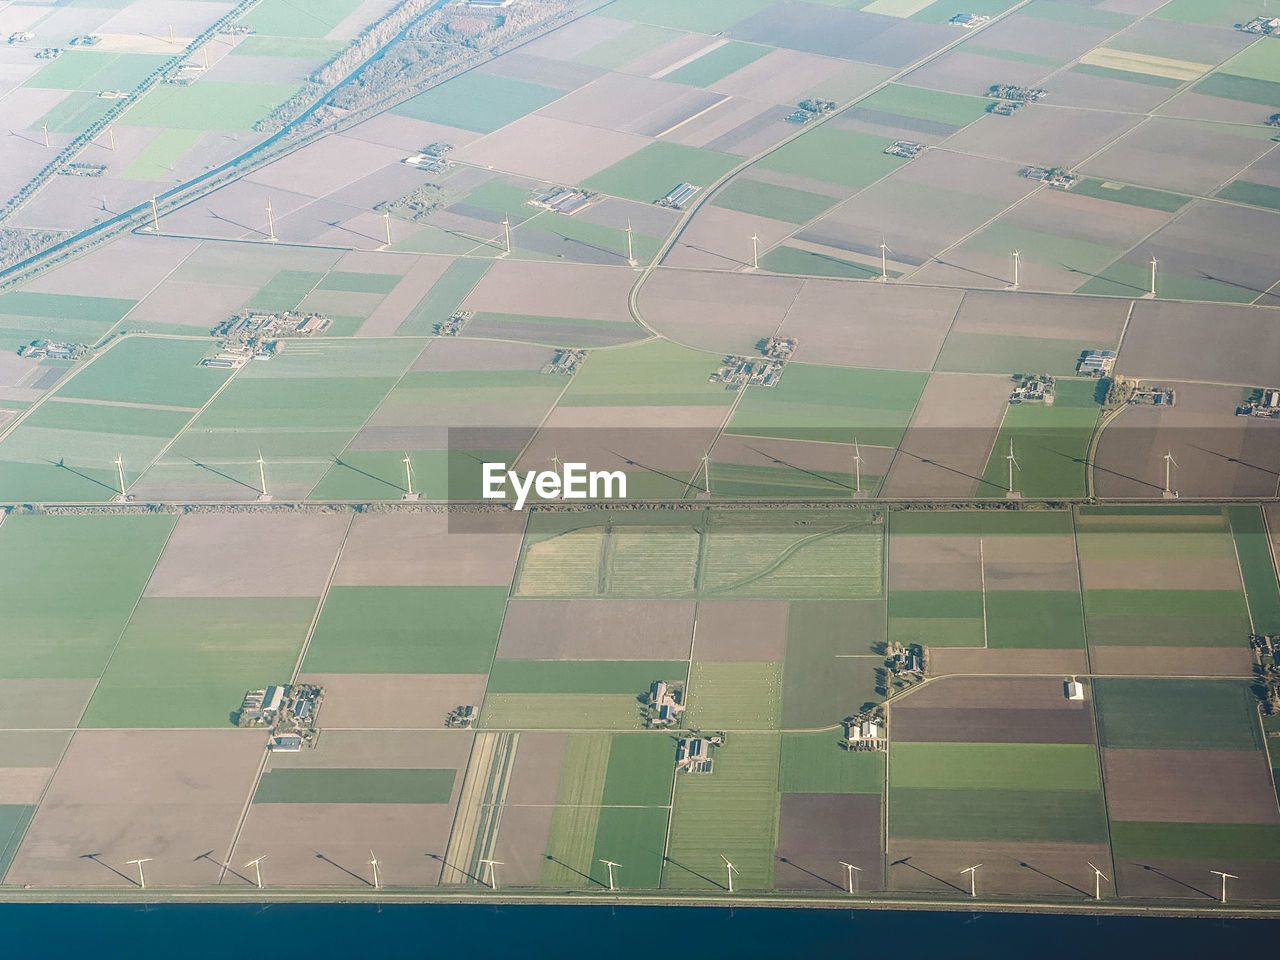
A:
(744, 630)
(817, 830)
(597, 630)
(1190, 786)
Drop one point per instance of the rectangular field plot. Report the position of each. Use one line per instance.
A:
(656, 373)
(831, 155)
(1190, 786)
(938, 618)
(1049, 444)
(812, 825)
(1142, 713)
(994, 766)
(983, 353)
(819, 763)
(636, 837)
(651, 563)
(1176, 618)
(1257, 567)
(210, 105)
(581, 676)
(62, 631)
(187, 662)
(478, 101)
(1145, 840)
(1064, 816)
(739, 695)
(717, 64)
(407, 630)
(1038, 619)
(829, 671)
(652, 172)
(772, 201)
(731, 812)
(640, 770)
(336, 785)
(141, 370)
(547, 711)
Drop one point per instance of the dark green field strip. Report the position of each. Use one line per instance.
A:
(641, 766)
(1256, 194)
(1178, 631)
(635, 838)
(58, 306)
(107, 418)
(1066, 816)
(1145, 78)
(937, 631)
(924, 104)
(818, 763)
(359, 282)
(480, 102)
(1248, 89)
(147, 370)
(1169, 714)
(770, 200)
(582, 676)
(717, 64)
(1134, 196)
(987, 353)
(285, 290)
(759, 482)
(355, 785)
(1166, 603)
(1035, 619)
(828, 669)
(1140, 519)
(407, 630)
(1221, 842)
(14, 818)
(994, 766)
(444, 296)
(987, 522)
(785, 259)
(1254, 551)
(295, 404)
(936, 604)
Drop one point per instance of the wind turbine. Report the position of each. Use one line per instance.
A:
(1169, 465)
(849, 868)
(1013, 464)
(111, 139)
(706, 472)
(506, 227)
(155, 216)
(373, 862)
(973, 878)
(755, 252)
(119, 462)
(731, 869)
(493, 876)
(45, 130)
(1225, 877)
(857, 467)
(262, 477)
(631, 257)
(257, 868)
(610, 864)
(1098, 877)
(1154, 261)
(271, 222)
(884, 259)
(386, 221)
(142, 881)
(1017, 262)
(408, 478)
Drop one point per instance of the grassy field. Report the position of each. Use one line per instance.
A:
(734, 480)
(1257, 61)
(480, 102)
(772, 201)
(657, 373)
(653, 171)
(651, 562)
(742, 696)
(818, 763)
(293, 405)
(1214, 12)
(1129, 279)
(156, 160)
(1259, 572)
(14, 818)
(621, 49)
(567, 565)
(581, 676)
(302, 48)
(209, 105)
(1196, 618)
(354, 785)
(60, 632)
(100, 312)
(1066, 816)
(281, 17)
(187, 662)
(794, 260)
(1050, 444)
(341, 358)
(640, 770)
(285, 290)
(1256, 194)
(584, 232)
(1248, 89)
(985, 522)
(1035, 619)
(731, 812)
(994, 766)
(987, 353)
(938, 618)
(1220, 842)
(835, 156)
(143, 370)
(829, 671)
(634, 837)
(717, 64)
(1052, 249)
(571, 840)
(1134, 196)
(934, 105)
(407, 630)
(544, 711)
(834, 404)
(108, 418)
(1153, 714)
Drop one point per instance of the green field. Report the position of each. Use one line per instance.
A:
(705, 16)
(634, 837)
(359, 282)
(14, 818)
(407, 630)
(1256, 60)
(354, 785)
(581, 676)
(734, 480)
(836, 156)
(586, 234)
(285, 290)
(354, 358)
(937, 618)
(731, 812)
(107, 418)
(303, 48)
(1038, 246)
(187, 662)
(985, 522)
(144, 370)
(1248, 89)
(1154, 714)
(1065, 816)
(923, 104)
(1195, 618)
(1127, 279)
(770, 200)
(1213, 12)
(1256, 194)
(293, 404)
(717, 64)
(543, 711)
(476, 101)
(95, 311)
(818, 763)
(655, 170)
(994, 766)
(1219, 842)
(829, 671)
(209, 105)
(78, 578)
(640, 770)
(1035, 619)
(444, 296)
(654, 373)
(156, 160)
(1050, 444)
(1134, 196)
(283, 18)
(794, 260)
(621, 49)
(575, 818)
(835, 404)
(1254, 552)
(740, 695)
(989, 353)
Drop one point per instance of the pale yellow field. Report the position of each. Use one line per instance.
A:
(1131, 62)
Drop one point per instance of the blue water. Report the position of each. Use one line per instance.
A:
(322, 932)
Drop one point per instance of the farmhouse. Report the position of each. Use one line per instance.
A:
(679, 195)
(666, 703)
(907, 149)
(864, 734)
(693, 754)
(1096, 363)
(970, 21)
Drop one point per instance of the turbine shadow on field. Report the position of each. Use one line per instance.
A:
(225, 866)
(1244, 463)
(976, 273)
(214, 214)
(943, 466)
(584, 876)
(365, 880)
(906, 862)
(1049, 876)
(1233, 283)
(700, 876)
(635, 463)
(218, 473)
(445, 863)
(1098, 468)
(816, 876)
(794, 466)
(1181, 883)
(339, 462)
(339, 225)
(1098, 276)
(123, 876)
(83, 476)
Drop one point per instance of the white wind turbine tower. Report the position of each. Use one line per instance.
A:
(408, 478)
(257, 868)
(973, 878)
(1170, 465)
(631, 257)
(884, 259)
(857, 468)
(386, 221)
(1225, 877)
(262, 478)
(706, 472)
(373, 862)
(1098, 877)
(1017, 263)
(1154, 261)
(493, 875)
(142, 880)
(730, 869)
(1013, 465)
(271, 222)
(506, 228)
(119, 462)
(755, 252)
(849, 868)
(610, 864)
(155, 216)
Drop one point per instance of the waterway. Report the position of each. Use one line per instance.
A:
(327, 932)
